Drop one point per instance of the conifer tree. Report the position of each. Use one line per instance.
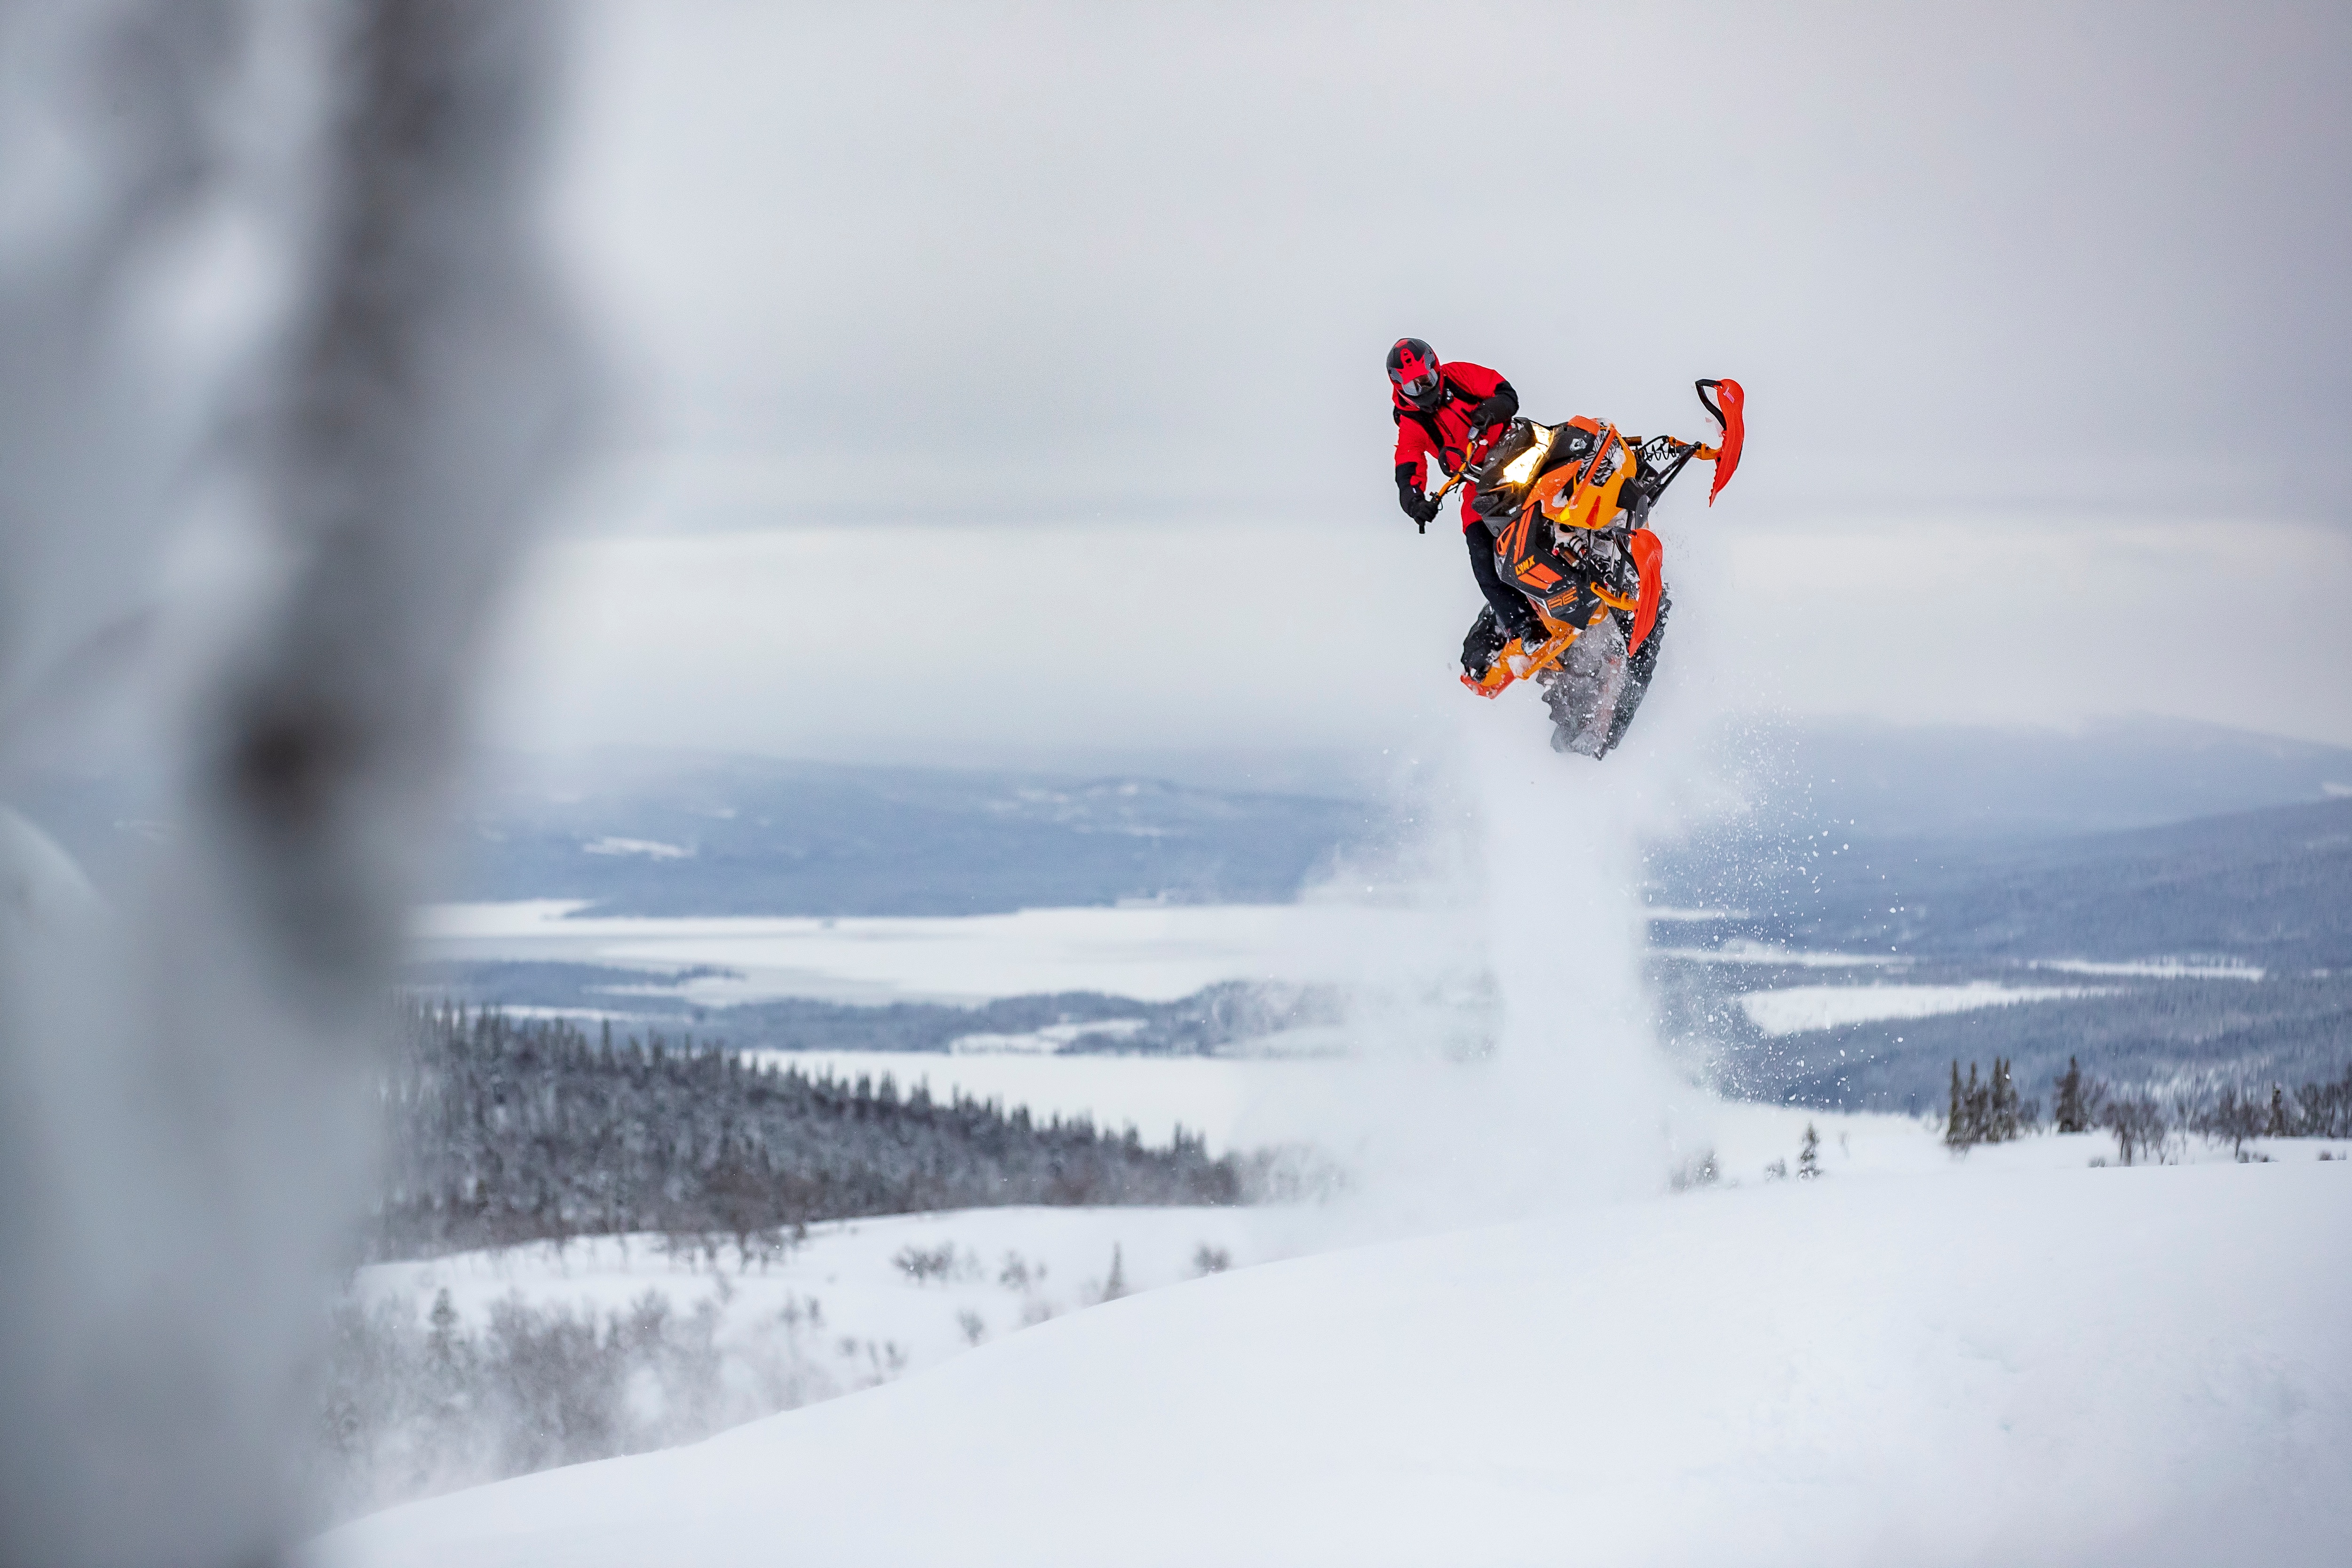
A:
(2000, 1121)
(2072, 1114)
(499, 1131)
(1809, 1158)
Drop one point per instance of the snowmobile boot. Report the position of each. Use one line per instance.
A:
(1484, 641)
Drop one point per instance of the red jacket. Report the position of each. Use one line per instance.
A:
(1446, 433)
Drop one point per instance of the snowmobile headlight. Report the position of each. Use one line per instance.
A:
(1522, 468)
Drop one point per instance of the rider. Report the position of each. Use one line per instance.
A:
(1441, 412)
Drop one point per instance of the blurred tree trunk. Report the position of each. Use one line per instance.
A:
(186, 1080)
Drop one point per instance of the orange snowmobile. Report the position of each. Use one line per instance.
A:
(1568, 506)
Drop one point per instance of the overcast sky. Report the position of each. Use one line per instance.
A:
(1037, 330)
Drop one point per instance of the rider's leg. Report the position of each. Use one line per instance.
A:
(1511, 608)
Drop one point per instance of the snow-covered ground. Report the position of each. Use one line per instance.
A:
(2011, 1356)
(1501, 1342)
(873, 1298)
(850, 1283)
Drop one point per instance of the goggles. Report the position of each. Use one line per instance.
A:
(1421, 385)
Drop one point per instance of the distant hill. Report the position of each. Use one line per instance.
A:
(665, 832)
(677, 834)
(653, 832)
(1898, 781)
(2270, 888)
(2266, 890)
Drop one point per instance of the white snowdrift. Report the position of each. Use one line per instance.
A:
(850, 1270)
(2076, 1366)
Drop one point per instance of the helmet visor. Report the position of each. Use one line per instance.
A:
(1421, 385)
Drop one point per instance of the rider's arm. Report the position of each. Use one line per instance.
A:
(1500, 404)
(1497, 399)
(1412, 455)
(1409, 494)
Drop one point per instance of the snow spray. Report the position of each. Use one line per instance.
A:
(1529, 1080)
(1573, 1085)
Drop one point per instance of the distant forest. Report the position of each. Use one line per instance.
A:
(502, 1131)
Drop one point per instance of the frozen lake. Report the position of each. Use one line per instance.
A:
(1412, 980)
(1154, 952)
(1796, 1009)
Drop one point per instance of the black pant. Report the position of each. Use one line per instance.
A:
(1511, 606)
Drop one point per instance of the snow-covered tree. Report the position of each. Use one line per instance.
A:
(2079, 1100)
(2001, 1109)
(271, 281)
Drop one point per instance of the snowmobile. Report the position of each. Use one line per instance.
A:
(1568, 506)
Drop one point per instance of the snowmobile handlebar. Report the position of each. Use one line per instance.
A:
(1709, 404)
(1724, 409)
(1727, 408)
(1469, 458)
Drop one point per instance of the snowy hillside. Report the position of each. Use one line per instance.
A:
(472, 1367)
(2018, 1359)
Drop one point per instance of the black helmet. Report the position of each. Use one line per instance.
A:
(1413, 371)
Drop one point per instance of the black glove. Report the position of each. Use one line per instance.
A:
(1417, 506)
(1495, 409)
